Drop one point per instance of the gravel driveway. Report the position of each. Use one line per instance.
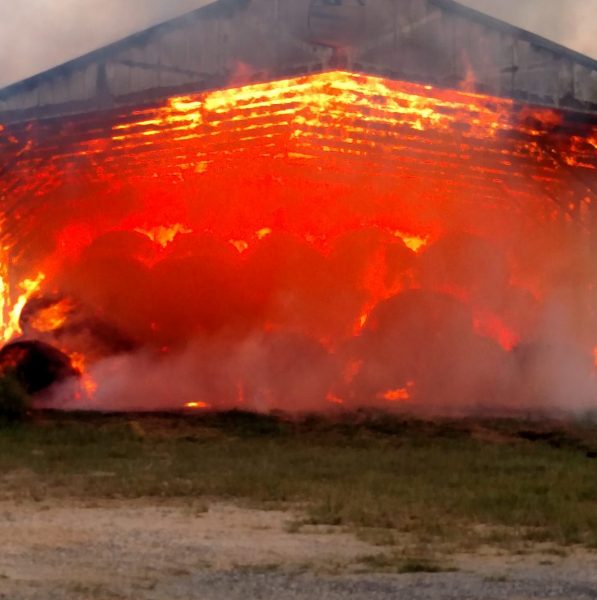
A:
(126, 550)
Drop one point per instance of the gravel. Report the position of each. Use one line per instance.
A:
(538, 584)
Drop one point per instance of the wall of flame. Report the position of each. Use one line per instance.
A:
(315, 158)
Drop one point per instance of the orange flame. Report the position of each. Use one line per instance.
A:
(414, 242)
(327, 132)
(88, 385)
(11, 326)
(52, 318)
(197, 405)
(163, 235)
(403, 394)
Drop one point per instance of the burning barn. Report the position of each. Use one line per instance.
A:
(300, 203)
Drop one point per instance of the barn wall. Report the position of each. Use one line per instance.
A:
(233, 41)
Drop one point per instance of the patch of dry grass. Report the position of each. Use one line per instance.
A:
(433, 484)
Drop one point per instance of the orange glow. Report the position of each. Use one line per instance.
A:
(240, 245)
(397, 395)
(196, 405)
(28, 288)
(164, 235)
(88, 385)
(403, 394)
(415, 242)
(291, 213)
(361, 322)
(493, 327)
(51, 318)
(333, 399)
(78, 362)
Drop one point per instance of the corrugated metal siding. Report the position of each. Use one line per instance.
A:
(423, 40)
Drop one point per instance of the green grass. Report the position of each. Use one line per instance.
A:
(391, 480)
(14, 400)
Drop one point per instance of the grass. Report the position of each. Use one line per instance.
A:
(14, 400)
(390, 479)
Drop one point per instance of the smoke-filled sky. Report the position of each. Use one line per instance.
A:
(38, 34)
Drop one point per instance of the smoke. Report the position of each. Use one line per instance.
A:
(570, 23)
(368, 249)
(271, 331)
(498, 320)
(258, 372)
(38, 34)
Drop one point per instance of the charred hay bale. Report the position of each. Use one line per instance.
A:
(35, 365)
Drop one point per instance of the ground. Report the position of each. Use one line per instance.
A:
(162, 551)
(235, 506)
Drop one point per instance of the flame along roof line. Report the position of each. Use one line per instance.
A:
(221, 7)
(128, 130)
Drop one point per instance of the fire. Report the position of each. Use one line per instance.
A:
(28, 287)
(403, 394)
(164, 235)
(263, 233)
(78, 362)
(416, 243)
(197, 405)
(88, 386)
(362, 321)
(491, 326)
(52, 318)
(240, 245)
(361, 229)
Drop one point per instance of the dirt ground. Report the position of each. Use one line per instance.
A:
(137, 550)
(131, 545)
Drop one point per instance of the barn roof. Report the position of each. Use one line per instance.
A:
(436, 41)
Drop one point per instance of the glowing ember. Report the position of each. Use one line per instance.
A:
(197, 405)
(403, 394)
(415, 242)
(164, 235)
(240, 245)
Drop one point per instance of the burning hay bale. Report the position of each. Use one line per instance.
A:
(421, 348)
(326, 241)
